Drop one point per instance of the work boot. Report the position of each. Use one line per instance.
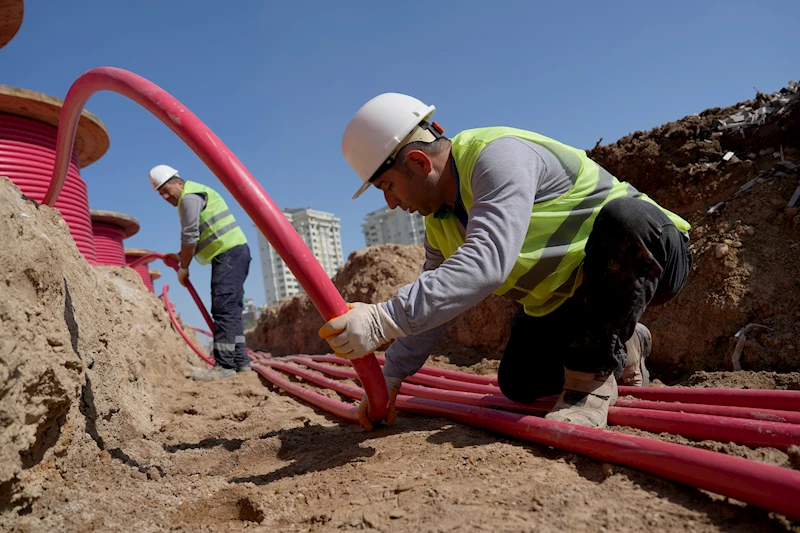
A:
(244, 368)
(216, 372)
(638, 348)
(585, 399)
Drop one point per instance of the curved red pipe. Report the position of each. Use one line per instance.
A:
(204, 332)
(189, 287)
(183, 334)
(766, 486)
(236, 178)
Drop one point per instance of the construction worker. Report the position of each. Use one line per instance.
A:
(210, 234)
(514, 213)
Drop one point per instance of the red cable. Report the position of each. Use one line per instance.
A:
(267, 216)
(754, 433)
(766, 486)
(108, 244)
(780, 400)
(27, 157)
(168, 305)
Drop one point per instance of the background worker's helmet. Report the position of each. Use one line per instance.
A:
(161, 174)
(379, 130)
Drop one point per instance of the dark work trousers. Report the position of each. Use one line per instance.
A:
(635, 257)
(228, 272)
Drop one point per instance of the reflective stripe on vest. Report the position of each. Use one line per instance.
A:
(219, 231)
(548, 269)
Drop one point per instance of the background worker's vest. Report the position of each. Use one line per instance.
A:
(219, 231)
(549, 266)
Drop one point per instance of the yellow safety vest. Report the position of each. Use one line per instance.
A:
(548, 269)
(219, 231)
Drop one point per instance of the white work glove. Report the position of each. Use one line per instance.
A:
(183, 274)
(360, 331)
(393, 386)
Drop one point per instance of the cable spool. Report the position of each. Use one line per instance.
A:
(131, 255)
(28, 127)
(154, 275)
(110, 229)
(11, 13)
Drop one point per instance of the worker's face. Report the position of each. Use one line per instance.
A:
(171, 191)
(413, 187)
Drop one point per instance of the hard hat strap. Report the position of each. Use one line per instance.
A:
(414, 135)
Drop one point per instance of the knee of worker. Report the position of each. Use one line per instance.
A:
(523, 388)
(620, 216)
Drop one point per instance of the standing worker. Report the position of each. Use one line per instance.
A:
(514, 213)
(210, 233)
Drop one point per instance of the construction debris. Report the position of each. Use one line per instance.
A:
(775, 103)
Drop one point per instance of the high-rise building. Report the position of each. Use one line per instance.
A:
(321, 233)
(396, 226)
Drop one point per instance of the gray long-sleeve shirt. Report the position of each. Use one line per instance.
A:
(510, 175)
(189, 213)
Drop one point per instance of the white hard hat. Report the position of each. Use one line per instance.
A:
(380, 129)
(160, 174)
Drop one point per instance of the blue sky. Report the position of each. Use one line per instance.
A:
(278, 82)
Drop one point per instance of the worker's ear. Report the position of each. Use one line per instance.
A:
(419, 162)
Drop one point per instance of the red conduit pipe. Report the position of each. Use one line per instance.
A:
(204, 332)
(754, 433)
(342, 410)
(772, 415)
(759, 399)
(237, 179)
(27, 157)
(780, 400)
(766, 486)
(189, 287)
(198, 351)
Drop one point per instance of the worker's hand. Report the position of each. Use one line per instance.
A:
(360, 331)
(393, 386)
(172, 257)
(183, 275)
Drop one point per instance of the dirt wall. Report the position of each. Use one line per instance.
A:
(81, 349)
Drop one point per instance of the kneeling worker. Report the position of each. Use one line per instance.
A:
(515, 213)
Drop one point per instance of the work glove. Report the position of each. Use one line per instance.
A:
(360, 331)
(173, 257)
(393, 386)
(183, 275)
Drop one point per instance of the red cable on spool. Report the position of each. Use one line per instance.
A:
(108, 244)
(27, 157)
(110, 229)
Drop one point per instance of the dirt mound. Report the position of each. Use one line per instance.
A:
(80, 350)
(747, 258)
(370, 275)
